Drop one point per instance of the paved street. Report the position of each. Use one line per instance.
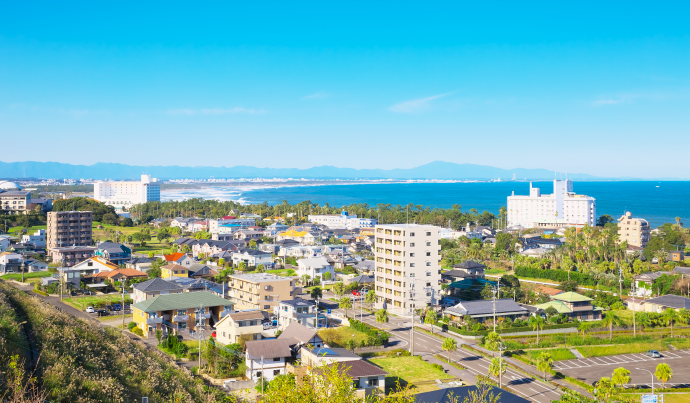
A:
(589, 370)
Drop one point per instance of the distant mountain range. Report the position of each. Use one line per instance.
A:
(433, 170)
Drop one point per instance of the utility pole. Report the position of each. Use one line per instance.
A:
(632, 291)
(620, 281)
(412, 331)
(123, 304)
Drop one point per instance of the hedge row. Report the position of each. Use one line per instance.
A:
(500, 331)
(379, 337)
(561, 276)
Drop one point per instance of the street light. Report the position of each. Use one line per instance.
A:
(650, 373)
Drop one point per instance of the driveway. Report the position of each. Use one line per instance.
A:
(589, 370)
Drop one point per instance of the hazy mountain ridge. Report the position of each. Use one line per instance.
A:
(433, 170)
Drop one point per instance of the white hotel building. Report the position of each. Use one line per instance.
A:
(561, 209)
(127, 193)
(342, 221)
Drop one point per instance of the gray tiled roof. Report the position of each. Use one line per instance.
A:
(670, 301)
(468, 264)
(359, 369)
(296, 332)
(485, 307)
(268, 349)
(157, 284)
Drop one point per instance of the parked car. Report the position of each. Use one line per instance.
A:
(109, 307)
(117, 307)
(653, 354)
(90, 310)
(267, 325)
(102, 312)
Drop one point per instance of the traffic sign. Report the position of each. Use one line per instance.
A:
(329, 311)
(650, 398)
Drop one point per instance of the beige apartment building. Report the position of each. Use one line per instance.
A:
(635, 231)
(259, 290)
(69, 228)
(408, 266)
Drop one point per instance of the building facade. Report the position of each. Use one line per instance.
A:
(408, 266)
(68, 256)
(562, 208)
(127, 193)
(259, 290)
(69, 228)
(344, 220)
(38, 238)
(635, 231)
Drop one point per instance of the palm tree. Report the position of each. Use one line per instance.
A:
(537, 323)
(430, 319)
(345, 303)
(305, 278)
(670, 316)
(678, 222)
(663, 373)
(544, 363)
(609, 320)
(382, 316)
(497, 368)
(449, 345)
(644, 320)
(339, 289)
(492, 341)
(316, 293)
(620, 376)
(583, 327)
(370, 298)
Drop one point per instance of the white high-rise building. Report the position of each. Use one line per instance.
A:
(408, 266)
(127, 193)
(562, 208)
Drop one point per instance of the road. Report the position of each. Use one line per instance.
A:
(592, 369)
(427, 345)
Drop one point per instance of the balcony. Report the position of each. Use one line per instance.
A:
(204, 315)
(224, 313)
(154, 321)
(181, 318)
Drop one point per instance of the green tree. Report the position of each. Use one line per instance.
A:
(671, 316)
(663, 373)
(127, 222)
(159, 334)
(497, 367)
(339, 289)
(316, 293)
(620, 376)
(345, 303)
(221, 262)
(492, 341)
(242, 266)
(430, 319)
(544, 363)
(327, 275)
(450, 345)
(583, 327)
(382, 316)
(611, 320)
(252, 244)
(290, 272)
(260, 268)
(370, 298)
(537, 323)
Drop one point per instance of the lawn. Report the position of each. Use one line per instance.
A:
(408, 370)
(660, 345)
(677, 398)
(31, 230)
(113, 318)
(28, 277)
(338, 337)
(84, 302)
(557, 354)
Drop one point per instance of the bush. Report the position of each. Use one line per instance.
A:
(138, 332)
(438, 367)
(376, 337)
(562, 275)
(131, 325)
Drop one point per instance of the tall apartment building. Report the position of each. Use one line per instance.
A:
(562, 208)
(259, 290)
(635, 231)
(69, 228)
(408, 266)
(127, 193)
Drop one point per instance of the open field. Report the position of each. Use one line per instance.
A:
(28, 277)
(660, 345)
(557, 354)
(32, 229)
(338, 337)
(409, 370)
(82, 303)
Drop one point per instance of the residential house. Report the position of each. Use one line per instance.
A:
(190, 311)
(291, 234)
(267, 358)
(199, 270)
(318, 356)
(298, 336)
(543, 243)
(645, 281)
(154, 287)
(190, 284)
(483, 310)
(366, 378)
(140, 263)
(38, 238)
(181, 241)
(34, 265)
(660, 304)
(260, 290)
(466, 393)
(300, 311)
(315, 267)
(573, 305)
(70, 255)
(248, 234)
(365, 266)
(676, 256)
(235, 325)
(251, 257)
(113, 252)
(174, 270)
(269, 248)
(117, 275)
(11, 263)
(81, 271)
(464, 270)
(4, 242)
(363, 280)
(210, 247)
(179, 258)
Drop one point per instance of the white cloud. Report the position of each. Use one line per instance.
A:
(214, 111)
(318, 95)
(415, 105)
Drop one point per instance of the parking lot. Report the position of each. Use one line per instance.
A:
(592, 369)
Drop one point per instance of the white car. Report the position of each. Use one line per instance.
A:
(90, 310)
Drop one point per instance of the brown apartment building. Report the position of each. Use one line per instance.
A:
(69, 228)
(635, 231)
(259, 290)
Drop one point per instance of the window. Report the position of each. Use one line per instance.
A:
(373, 381)
(411, 254)
(411, 233)
(428, 263)
(411, 264)
(428, 284)
(428, 244)
(258, 374)
(267, 307)
(428, 274)
(276, 359)
(428, 294)
(411, 244)
(428, 234)
(428, 253)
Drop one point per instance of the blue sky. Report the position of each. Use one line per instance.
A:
(593, 87)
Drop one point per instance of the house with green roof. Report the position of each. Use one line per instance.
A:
(177, 312)
(573, 305)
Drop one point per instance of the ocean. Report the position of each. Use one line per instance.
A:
(658, 202)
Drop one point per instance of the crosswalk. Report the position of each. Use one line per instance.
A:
(617, 360)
